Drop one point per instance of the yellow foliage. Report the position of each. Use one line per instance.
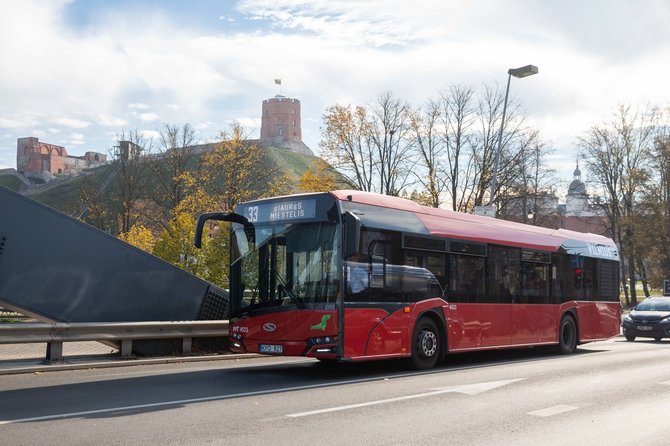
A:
(139, 236)
(318, 177)
(175, 245)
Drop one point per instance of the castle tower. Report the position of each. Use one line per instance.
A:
(281, 120)
(280, 125)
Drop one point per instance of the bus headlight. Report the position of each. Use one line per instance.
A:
(322, 340)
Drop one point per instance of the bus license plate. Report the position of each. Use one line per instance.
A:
(644, 327)
(269, 348)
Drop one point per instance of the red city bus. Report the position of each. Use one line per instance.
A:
(350, 275)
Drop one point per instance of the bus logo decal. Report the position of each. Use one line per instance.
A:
(269, 326)
(322, 324)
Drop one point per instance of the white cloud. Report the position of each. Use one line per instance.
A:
(75, 139)
(138, 106)
(118, 75)
(249, 123)
(148, 117)
(110, 121)
(11, 123)
(150, 134)
(203, 125)
(71, 122)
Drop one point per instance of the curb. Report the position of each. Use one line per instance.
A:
(43, 368)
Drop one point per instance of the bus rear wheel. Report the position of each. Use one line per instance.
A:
(567, 335)
(425, 344)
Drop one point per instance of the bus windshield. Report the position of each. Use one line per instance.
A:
(284, 266)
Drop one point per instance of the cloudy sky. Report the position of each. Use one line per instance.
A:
(78, 73)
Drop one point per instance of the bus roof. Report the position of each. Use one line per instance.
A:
(447, 223)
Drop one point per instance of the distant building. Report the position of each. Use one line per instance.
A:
(128, 150)
(577, 200)
(44, 160)
(280, 124)
(577, 214)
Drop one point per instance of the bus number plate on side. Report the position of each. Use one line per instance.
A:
(269, 348)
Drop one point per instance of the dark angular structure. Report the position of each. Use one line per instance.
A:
(56, 268)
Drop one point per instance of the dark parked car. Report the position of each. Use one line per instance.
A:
(649, 319)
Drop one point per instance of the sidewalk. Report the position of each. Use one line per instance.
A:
(30, 358)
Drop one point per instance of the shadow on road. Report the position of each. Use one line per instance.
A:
(116, 397)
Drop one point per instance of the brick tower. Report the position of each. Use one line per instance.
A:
(281, 120)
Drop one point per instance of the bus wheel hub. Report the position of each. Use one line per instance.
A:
(428, 343)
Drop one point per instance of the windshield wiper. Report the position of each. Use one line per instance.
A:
(289, 292)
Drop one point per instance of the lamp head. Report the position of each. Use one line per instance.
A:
(520, 72)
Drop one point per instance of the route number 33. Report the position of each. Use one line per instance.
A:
(252, 214)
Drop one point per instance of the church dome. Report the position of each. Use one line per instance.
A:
(577, 187)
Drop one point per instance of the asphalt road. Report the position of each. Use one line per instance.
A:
(613, 393)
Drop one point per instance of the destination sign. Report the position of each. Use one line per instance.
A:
(603, 251)
(590, 249)
(288, 210)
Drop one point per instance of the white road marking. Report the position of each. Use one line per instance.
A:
(179, 402)
(474, 389)
(551, 411)
(469, 389)
(262, 392)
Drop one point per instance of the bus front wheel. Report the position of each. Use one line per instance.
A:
(425, 344)
(567, 335)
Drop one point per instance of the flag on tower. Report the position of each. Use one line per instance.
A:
(278, 81)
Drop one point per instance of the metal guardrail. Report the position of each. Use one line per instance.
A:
(56, 333)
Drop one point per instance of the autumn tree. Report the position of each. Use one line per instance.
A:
(130, 175)
(92, 205)
(424, 128)
(170, 167)
(529, 196)
(618, 156)
(347, 145)
(454, 140)
(234, 170)
(371, 144)
(175, 245)
(141, 237)
(389, 134)
(458, 116)
(660, 196)
(319, 177)
(653, 220)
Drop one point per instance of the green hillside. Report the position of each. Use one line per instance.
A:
(291, 163)
(10, 182)
(64, 196)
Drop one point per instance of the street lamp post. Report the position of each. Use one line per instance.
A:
(520, 72)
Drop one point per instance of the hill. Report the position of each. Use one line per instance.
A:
(13, 180)
(10, 182)
(64, 194)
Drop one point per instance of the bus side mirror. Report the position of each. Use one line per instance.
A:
(352, 234)
(220, 216)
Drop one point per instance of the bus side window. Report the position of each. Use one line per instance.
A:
(503, 274)
(589, 278)
(535, 282)
(467, 278)
(423, 274)
(564, 283)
